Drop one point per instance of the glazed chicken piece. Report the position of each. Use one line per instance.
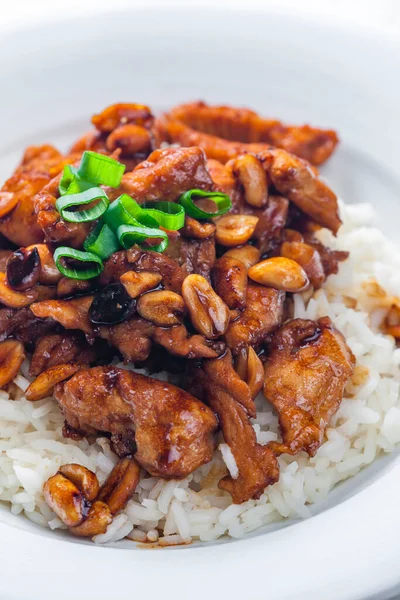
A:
(171, 430)
(271, 221)
(193, 256)
(165, 175)
(306, 371)
(243, 125)
(230, 398)
(58, 349)
(261, 317)
(18, 220)
(24, 326)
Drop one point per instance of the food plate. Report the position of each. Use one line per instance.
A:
(299, 72)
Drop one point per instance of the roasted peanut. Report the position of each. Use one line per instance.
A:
(131, 139)
(250, 368)
(120, 484)
(290, 235)
(98, 519)
(49, 274)
(85, 480)
(65, 499)
(208, 312)
(308, 258)
(8, 201)
(72, 314)
(197, 230)
(23, 269)
(117, 114)
(14, 299)
(234, 230)
(249, 255)
(280, 273)
(44, 384)
(253, 178)
(164, 308)
(11, 358)
(139, 283)
(229, 277)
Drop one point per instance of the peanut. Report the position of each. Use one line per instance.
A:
(163, 307)
(11, 358)
(229, 276)
(197, 230)
(250, 368)
(131, 139)
(85, 480)
(98, 519)
(14, 299)
(249, 255)
(139, 283)
(253, 178)
(65, 499)
(208, 312)
(234, 230)
(280, 273)
(44, 384)
(308, 258)
(120, 485)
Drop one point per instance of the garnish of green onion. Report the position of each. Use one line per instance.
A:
(128, 235)
(102, 241)
(187, 200)
(100, 169)
(71, 183)
(126, 211)
(90, 265)
(169, 215)
(68, 201)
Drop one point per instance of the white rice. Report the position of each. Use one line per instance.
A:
(367, 424)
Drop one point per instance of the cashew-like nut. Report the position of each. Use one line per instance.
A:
(11, 358)
(249, 255)
(163, 307)
(120, 485)
(280, 273)
(98, 519)
(308, 258)
(250, 368)
(234, 230)
(14, 299)
(65, 499)
(253, 178)
(49, 274)
(197, 230)
(229, 276)
(291, 235)
(85, 480)
(44, 383)
(208, 312)
(137, 283)
(130, 138)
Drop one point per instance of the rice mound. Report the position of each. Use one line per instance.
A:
(367, 424)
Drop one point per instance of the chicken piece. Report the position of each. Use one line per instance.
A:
(243, 125)
(197, 256)
(92, 140)
(121, 114)
(57, 349)
(165, 175)
(223, 179)
(306, 371)
(330, 259)
(172, 430)
(24, 326)
(271, 221)
(39, 165)
(132, 338)
(261, 317)
(71, 314)
(178, 342)
(55, 229)
(229, 397)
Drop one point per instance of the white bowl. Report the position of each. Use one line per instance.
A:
(52, 78)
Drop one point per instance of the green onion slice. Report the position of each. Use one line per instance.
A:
(71, 183)
(222, 201)
(94, 264)
(169, 215)
(126, 211)
(75, 200)
(128, 235)
(102, 241)
(100, 169)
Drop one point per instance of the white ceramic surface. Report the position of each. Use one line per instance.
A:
(52, 78)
